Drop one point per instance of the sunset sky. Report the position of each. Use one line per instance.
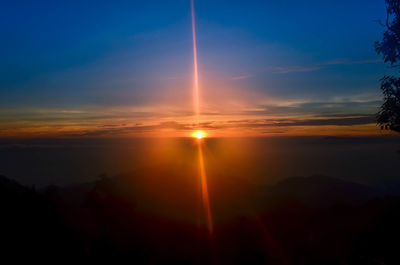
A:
(125, 68)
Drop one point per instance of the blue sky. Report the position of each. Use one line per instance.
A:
(286, 57)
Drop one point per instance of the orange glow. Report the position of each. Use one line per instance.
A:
(199, 134)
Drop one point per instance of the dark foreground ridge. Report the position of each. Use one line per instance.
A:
(314, 220)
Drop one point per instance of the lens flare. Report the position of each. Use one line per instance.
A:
(196, 99)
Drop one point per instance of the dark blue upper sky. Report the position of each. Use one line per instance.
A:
(71, 54)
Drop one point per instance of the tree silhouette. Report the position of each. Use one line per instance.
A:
(389, 114)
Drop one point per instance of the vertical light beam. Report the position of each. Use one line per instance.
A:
(196, 97)
(200, 134)
(204, 189)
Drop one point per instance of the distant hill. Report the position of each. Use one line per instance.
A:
(177, 197)
(321, 191)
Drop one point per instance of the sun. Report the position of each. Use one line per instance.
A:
(199, 134)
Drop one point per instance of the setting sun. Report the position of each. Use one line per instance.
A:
(199, 134)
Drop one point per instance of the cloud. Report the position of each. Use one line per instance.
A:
(128, 129)
(317, 66)
(292, 69)
(368, 119)
(151, 121)
(349, 62)
(240, 77)
(256, 124)
(324, 108)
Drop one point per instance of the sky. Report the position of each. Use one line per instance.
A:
(125, 68)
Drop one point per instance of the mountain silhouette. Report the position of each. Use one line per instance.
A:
(301, 220)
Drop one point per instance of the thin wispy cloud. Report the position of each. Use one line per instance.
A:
(241, 77)
(292, 69)
(318, 66)
(261, 118)
(252, 124)
(349, 62)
